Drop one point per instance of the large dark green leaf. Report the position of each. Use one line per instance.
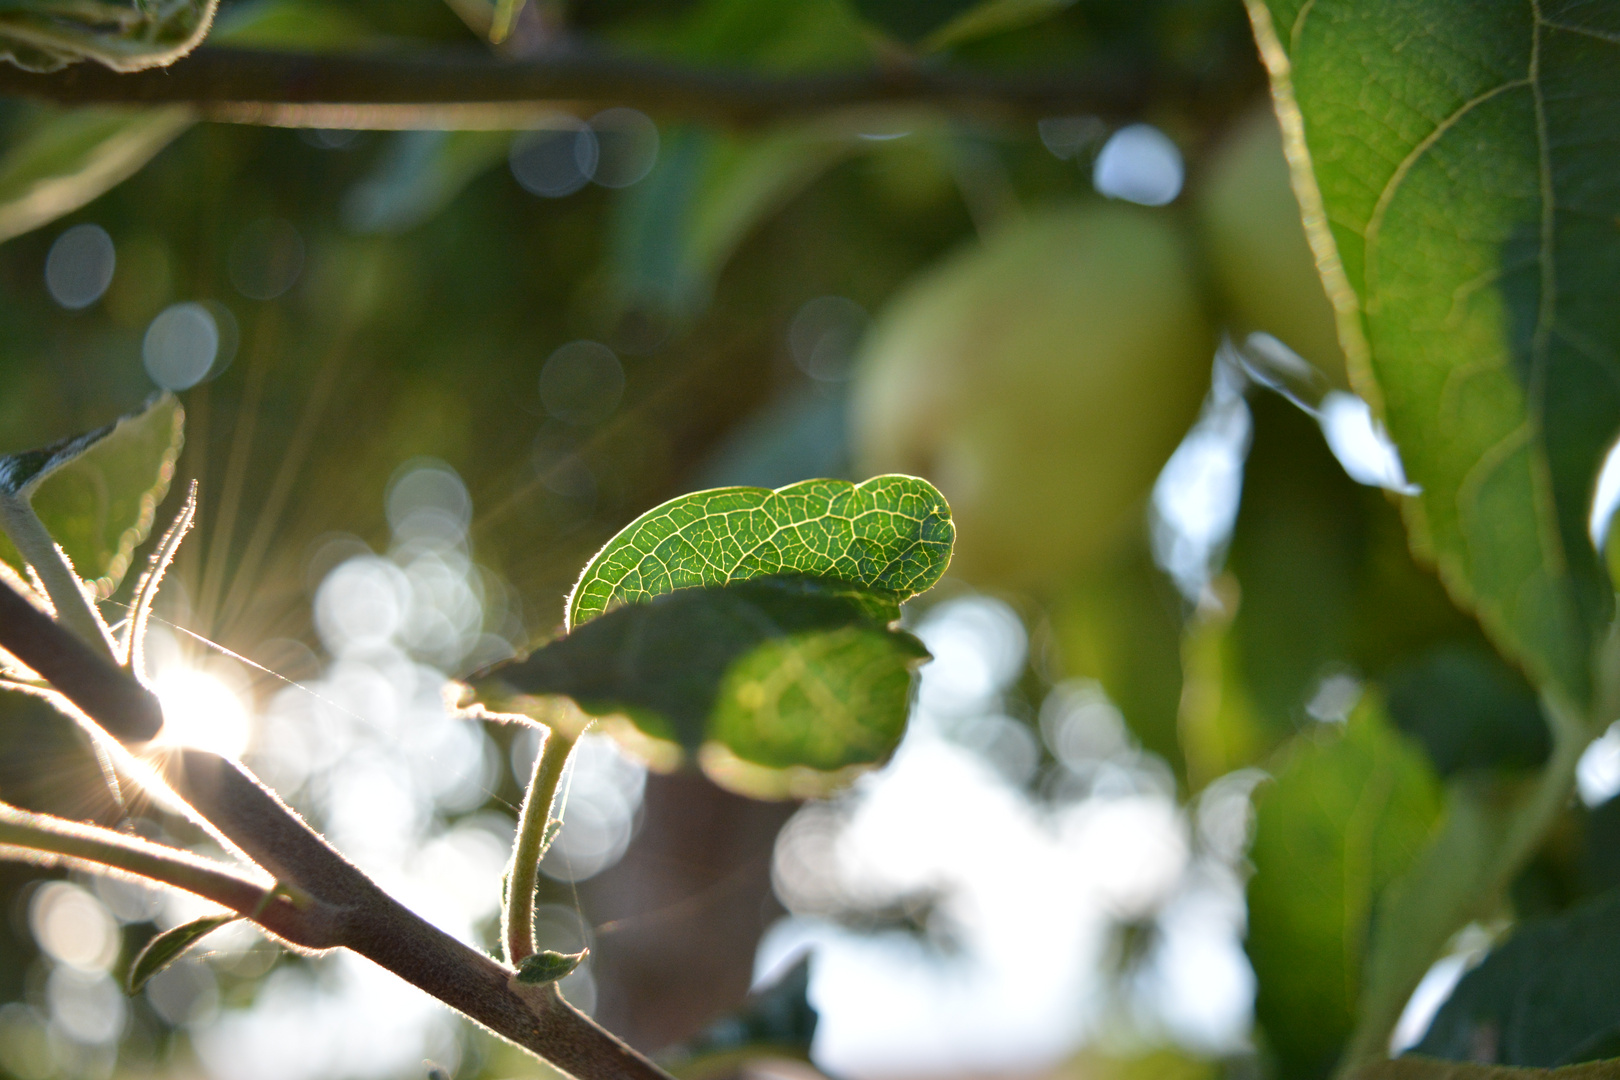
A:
(1348, 813)
(97, 493)
(1549, 995)
(1459, 167)
(778, 673)
(1468, 709)
(890, 535)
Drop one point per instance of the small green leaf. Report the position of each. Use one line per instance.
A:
(1548, 996)
(548, 965)
(1452, 162)
(1297, 548)
(890, 535)
(125, 35)
(1348, 813)
(22, 472)
(1328, 584)
(167, 947)
(97, 493)
(779, 673)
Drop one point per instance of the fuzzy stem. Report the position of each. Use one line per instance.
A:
(118, 704)
(40, 838)
(517, 918)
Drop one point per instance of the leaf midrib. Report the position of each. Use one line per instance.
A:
(707, 556)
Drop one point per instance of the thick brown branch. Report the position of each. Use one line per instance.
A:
(117, 702)
(471, 89)
(355, 912)
(379, 928)
(43, 839)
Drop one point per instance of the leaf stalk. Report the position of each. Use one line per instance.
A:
(534, 835)
(40, 838)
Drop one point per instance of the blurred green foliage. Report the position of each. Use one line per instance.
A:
(425, 289)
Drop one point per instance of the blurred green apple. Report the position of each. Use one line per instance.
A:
(1254, 240)
(1040, 380)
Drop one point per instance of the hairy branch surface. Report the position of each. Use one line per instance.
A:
(340, 905)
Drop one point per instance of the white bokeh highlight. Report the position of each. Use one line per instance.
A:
(1139, 164)
(1028, 890)
(1361, 444)
(180, 346)
(80, 266)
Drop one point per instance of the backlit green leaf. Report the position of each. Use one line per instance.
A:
(167, 947)
(891, 535)
(775, 673)
(1349, 811)
(97, 493)
(1456, 163)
